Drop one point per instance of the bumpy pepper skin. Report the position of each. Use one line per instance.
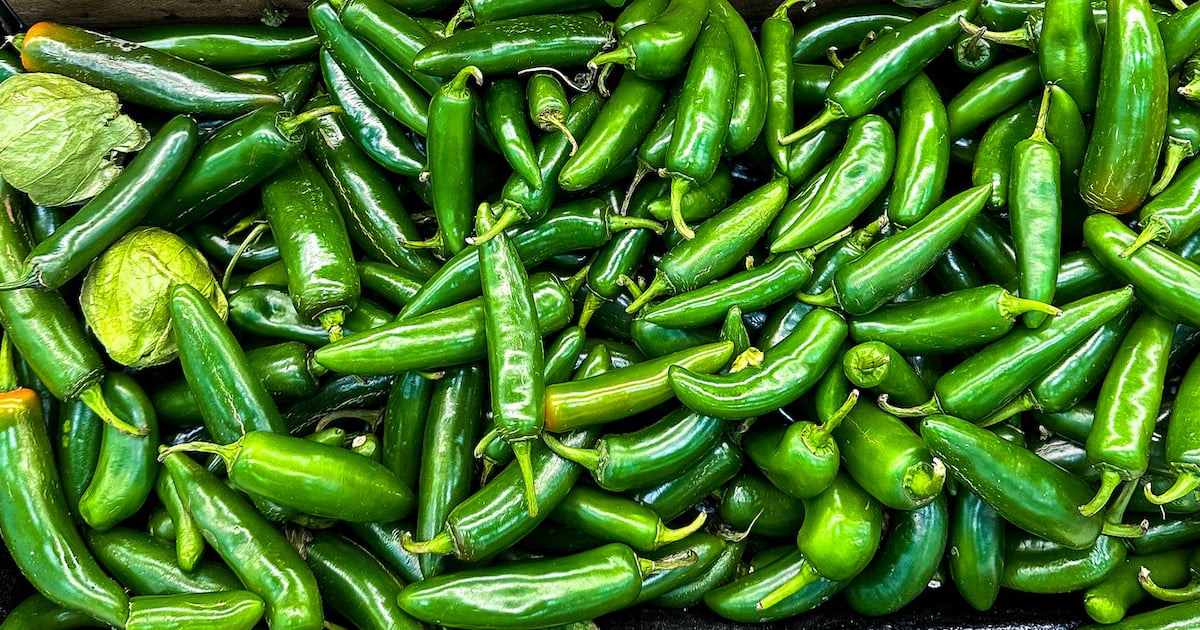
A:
(1131, 111)
(139, 74)
(1028, 491)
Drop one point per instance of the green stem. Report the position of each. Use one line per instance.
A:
(227, 452)
(823, 433)
(828, 115)
(806, 576)
(332, 320)
(555, 119)
(826, 298)
(620, 222)
(523, 454)
(1109, 480)
(463, 14)
(591, 303)
(622, 55)
(589, 458)
(1186, 482)
(247, 242)
(656, 287)
(8, 374)
(93, 397)
(925, 480)
(918, 411)
(28, 280)
(289, 124)
(1025, 402)
(1187, 593)
(576, 281)
(1039, 127)
(1177, 151)
(485, 441)
(457, 87)
(1015, 37)
(1012, 306)
(666, 535)
(442, 544)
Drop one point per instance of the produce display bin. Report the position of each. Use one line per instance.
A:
(936, 608)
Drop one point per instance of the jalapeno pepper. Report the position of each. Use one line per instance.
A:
(270, 312)
(228, 45)
(658, 47)
(355, 584)
(511, 45)
(844, 27)
(907, 559)
(1131, 111)
(922, 153)
(991, 93)
(672, 498)
(976, 552)
(38, 613)
(1163, 280)
(993, 161)
(739, 600)
(1180, 442)
(139, 74)
(875, 365)
(617, 519)
(1109, 600)
(146, 565)
(887, 65)
(793, 367)
(749, 501)
(620, 127)
(189, 541)
(34, 521)
(1035, 211)
(126, 468)
(233, 610)
(802, 459)
(389, 30)
(1033, 565)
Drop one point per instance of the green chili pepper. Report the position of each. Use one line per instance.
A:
(317, 479)
(1109, 600)
(749, 501)
(674, 497)
(511, 45)
(750, 95)
(140, 74)
(1035, 207)
(802, 459)
(189, 541)
(809, 82)
(620, 127)
(994, 162)
(717, 574)
(34, 521)
(1131, 111)
(518, 596)
(865, 283)
(992, 93)
(270, 312)
(380, 81)
(702, 121)
(620, 257)
(38, 613)
(793, 367)
(77, 450)
(922, 152)
(994, 375)
(450, 336)
(976, 556)
(118, 208)
(374, 216)
(885, 67)
(776, 35)
(392, 283)
(504, 104)
(126, 467)
(44, 330)
(1180, 443)
(863, 166)
(974, 54)
(617, 519)
(706, 549)
(227, 45)
(908, 557)
(548, 107)
(874, 365)
(739, 600)
(383, 540)
(720, 244)
(1033, 565)
(656, 341)
(315, 248)
(649, 456)
(483, 11)
(626, 391)
(990, 244)
(841, 532)
(376, 133)
(228, 610)
(1163, 280)
(829, 261)
(878, 450)
(146, 565)
(389, 30)
(954, 271)
(1029, 492)
(844, 27)
(355, 584)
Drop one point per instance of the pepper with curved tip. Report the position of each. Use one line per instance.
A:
(793, 367)
(675, 497)
(126, 468)
(976, 558)
(620, 127)
(1109, 600)
(146, 565)
(992, 93)
(1182, 452)
(1033, 565)
(1035, 201)
(802, 459)
(504, 104)
(776, 34)
(739, 600)
(391, 32)
(648, 456)
(615, 518)
(922, 154)
(993, 160)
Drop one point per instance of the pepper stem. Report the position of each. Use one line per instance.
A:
(576, 281)
(8, 375)
(685, 558)
(442, 544)
(781, 12)
(511, 215)
(1177, 151)
(554, 118)
(260, 228)
(632, 285)
(457, 87)
(1121, 530)
(523, 453)
(1015, 37)
(820, 435)
(1012, 306)
(28, 280)
(1186, 593)
(332, 320)
(1039, 127)
(484, 442)
(288, 123)
(1190, 90)
(751, 358)
(227, 452)
(591, 303)
(589, 458)
(1179, 5)
(1186, 482)
(1153, 230)
(827, 116)
(807, 575)
(666, 535)
(812, 252)
(825, 298)
(1109, 480)
(433, 242)
(919, 411)
(464, 14)
(657, 286)
(620, 222)
(923, 481)
(866, 365)
(622, 55)
(93, 397)
(643, 169)
(1025, 402)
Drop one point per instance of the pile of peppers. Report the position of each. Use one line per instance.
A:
(541, 309)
